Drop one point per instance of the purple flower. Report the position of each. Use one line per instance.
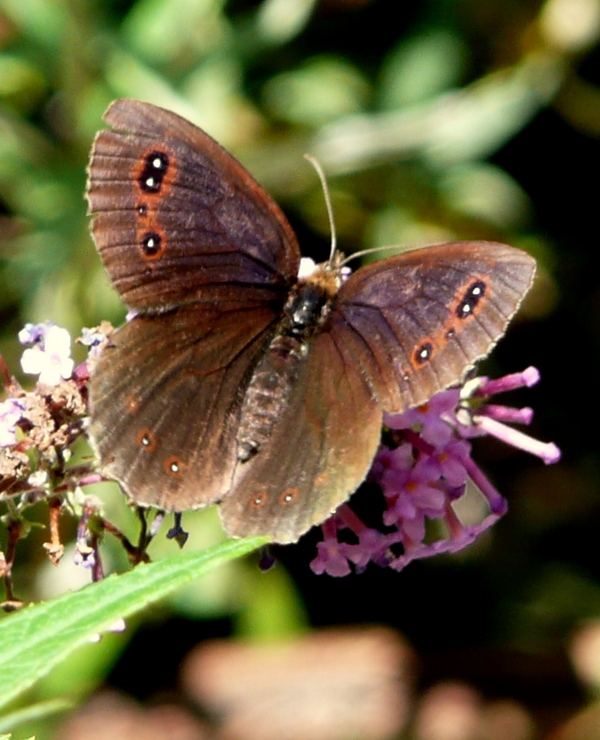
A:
(331, 558)
(95, 339)
(50, 357)
(427, 470)
(11, 411)
(92, 337)
(334, 557)
(33, 333)
(430, 418)
(489, 419)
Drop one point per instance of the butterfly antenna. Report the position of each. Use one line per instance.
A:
(315, 163)
(391, 247)
(372, 250)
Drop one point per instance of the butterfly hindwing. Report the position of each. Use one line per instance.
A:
(319, 452)
(166, 399)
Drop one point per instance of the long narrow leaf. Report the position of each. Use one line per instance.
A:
(36, 639)
(33, 712)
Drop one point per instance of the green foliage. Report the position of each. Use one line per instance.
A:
(33, 713)
(39, 637)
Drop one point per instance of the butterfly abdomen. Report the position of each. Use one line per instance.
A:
(275, 375)
(267, 394)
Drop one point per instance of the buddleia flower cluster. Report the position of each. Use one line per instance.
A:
(426, 467)
(38, 429)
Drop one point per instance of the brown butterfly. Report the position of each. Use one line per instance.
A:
(238, 382)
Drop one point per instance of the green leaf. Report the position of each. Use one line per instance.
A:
(33, 713)
(39, 637)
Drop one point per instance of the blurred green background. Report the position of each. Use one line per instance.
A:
(434, 120)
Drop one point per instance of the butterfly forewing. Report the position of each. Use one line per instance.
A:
(417, 322)
(177, 219)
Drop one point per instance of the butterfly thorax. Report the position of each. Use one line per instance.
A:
(305, 314)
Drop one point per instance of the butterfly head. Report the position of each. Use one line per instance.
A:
(327, 277)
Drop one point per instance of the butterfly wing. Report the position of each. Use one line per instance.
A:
(417, 322)
(206, 258)
(177, 219)
(166, 398)
(320, 450)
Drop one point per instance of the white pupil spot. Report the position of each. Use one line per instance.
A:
(150, 182)
(157, 163)
(424, 354)
(476, 291)
(466, 308)
(146, 440)
(174, 467)
(150, 243)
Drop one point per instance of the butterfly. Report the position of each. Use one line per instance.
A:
(238, 381)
